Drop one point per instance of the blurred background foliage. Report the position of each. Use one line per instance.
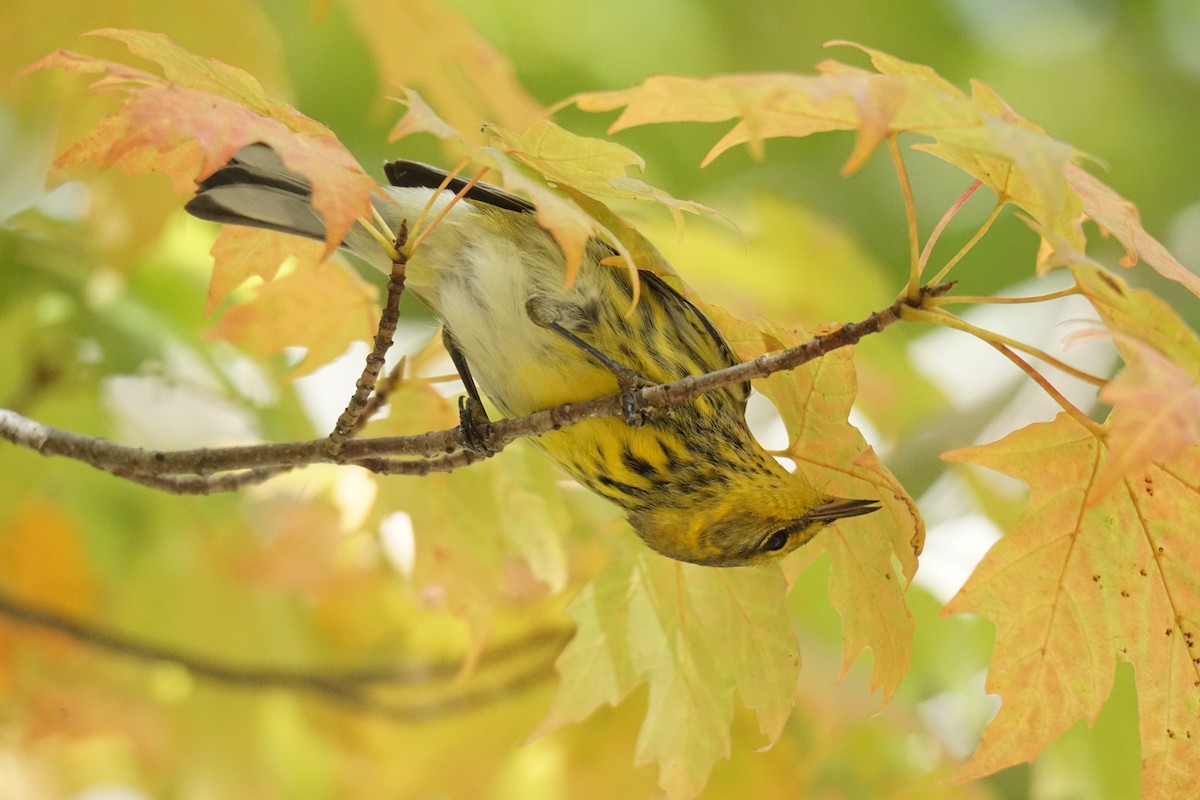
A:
(102, 332)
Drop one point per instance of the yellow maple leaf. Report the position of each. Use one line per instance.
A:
(433, 48)
(814, 402)
(1076, 587)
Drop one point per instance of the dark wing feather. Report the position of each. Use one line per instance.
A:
(416, 174)
(742, 390)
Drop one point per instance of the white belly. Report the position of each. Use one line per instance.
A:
(477, 271)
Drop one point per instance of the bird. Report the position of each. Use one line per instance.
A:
(692, 479)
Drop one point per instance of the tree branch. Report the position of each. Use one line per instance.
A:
(436, 451)
(356, 410)
(349, 687)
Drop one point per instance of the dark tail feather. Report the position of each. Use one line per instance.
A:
(256, 189)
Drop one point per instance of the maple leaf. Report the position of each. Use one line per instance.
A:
(426, 45)
(500, 541)
(1077, 586)
(1156, 400)
(814, 402)
(45, 565)
(192, 121)
(980, 134)
(694, 635)
(563, 175)
(322, 309)
(637, 621)
(585, 170)
(241, 253)
(1120, 218)
(595, 167)
(1156, 415)
(45, 560)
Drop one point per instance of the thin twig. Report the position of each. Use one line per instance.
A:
(913, 288)
(1083, 419)
(436, 451)
(203, 484)
(422, 466)
(379, 399)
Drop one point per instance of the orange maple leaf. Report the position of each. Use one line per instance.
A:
(241, 253)
(321, 309)
(46, 566)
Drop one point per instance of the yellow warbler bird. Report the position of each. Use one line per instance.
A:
(695, 483)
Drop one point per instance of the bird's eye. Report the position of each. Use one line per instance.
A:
(776, 541)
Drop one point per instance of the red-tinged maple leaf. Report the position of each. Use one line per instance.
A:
(1120, 218)
(1156, 416)
(1076, 587)
(694, 635)
(1156, 402)
(199, 115)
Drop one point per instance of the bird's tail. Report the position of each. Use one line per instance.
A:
(257, 189)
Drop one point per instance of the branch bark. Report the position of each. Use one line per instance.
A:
(223, 469)
(354, 688)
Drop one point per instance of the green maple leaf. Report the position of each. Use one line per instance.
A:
(694, 635)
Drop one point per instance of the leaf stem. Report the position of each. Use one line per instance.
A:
(381, 232)
(966, 248)
(945, 220)
(936, 316)
(913, 290)
(1093, 427)
(986, 300)
(453, 202)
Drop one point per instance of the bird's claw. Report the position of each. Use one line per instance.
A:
(471, 416)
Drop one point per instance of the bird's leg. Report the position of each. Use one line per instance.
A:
(471, 413)
(628, 380)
